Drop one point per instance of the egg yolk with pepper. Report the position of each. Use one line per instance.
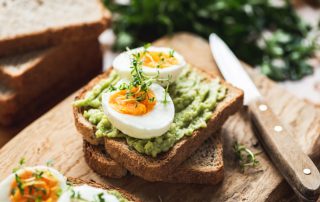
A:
(35, 186)
(133, 101)
(158, 59)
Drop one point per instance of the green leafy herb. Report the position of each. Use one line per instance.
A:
(59, 192)
(22, 162)
(245, 156)
(146, 46)
(241, 23)
(38, 174)
(100, 197)
(19, 184)
(165, 100)
(38, 199)
(171, 53)
(139, 79)
(112, 88)
(50, 163)
(76, 195)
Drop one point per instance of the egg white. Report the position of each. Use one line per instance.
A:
(152, 124)
(88, 193)
(5, 185)
(123, 62)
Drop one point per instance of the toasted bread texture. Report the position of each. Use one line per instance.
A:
(155, 169)
(100, 161)
(29, 81)
(32, 24)
(205, 166)
(77, 181)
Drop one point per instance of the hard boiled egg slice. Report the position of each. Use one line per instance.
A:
(161, 61)
(87, 193)
(32, 183)
(138, 117)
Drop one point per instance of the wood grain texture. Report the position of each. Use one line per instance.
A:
(53, 136)
(285, 153)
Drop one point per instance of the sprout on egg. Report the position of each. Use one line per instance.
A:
(160, 62)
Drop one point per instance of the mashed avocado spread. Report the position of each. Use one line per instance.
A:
(194, 98)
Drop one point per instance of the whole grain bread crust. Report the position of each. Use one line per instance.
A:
(86, 129)
(77, 181)
(155, 169)
(100, 162)
(53, 77)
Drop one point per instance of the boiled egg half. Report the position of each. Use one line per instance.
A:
(33, 184)
(87, 193)
(156, 61)
(137, 113)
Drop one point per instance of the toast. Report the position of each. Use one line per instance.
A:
(77, 182)
(37, 24)
(30, 69)
(32, 80)
(155, 169)
(100, 161)
(205, 166)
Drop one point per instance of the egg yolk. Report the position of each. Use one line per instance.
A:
(158, 59)
(35, 186)
(133, 101)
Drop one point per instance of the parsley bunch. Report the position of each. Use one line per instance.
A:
(241, 23)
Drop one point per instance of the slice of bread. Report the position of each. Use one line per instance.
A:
(33, 24)
(44, 78)
(30, 69)
(77, 182)
(205, 166)
(155, 169)
(19, 70)
(99, 160)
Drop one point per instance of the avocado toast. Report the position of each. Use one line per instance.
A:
(149, 168)
(148, 129)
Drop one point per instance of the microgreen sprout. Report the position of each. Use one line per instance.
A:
(49, 163)
(38, 174)
(140, 80)
(245, 156)
(171, 53)
(22, 162)
(19, 183)
(100, 197)
(146, 46)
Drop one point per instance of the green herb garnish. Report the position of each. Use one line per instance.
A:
(245, 156)
(19, 184)
(50, 163)
(22, 162)
(38, 174)
(100, 197)
(171, 53)
(140, 80)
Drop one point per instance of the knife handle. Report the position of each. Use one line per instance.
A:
(296, 167)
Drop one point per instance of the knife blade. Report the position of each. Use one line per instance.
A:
(294, 165)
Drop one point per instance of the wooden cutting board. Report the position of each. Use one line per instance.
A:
(54, 137)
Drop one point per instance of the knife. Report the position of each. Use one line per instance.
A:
(295, 166)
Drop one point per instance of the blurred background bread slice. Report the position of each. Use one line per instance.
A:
(31, 24)
(47, 77)
(48, 49)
